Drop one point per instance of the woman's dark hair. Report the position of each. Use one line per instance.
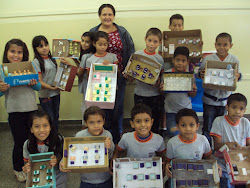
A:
(106, 6)
(100, 34)
(91, 48)
(54, 140)
(17, 42)
(36, 42)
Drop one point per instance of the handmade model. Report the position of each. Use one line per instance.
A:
(178, 82)
(143, 69)
(137, 172)
(41, 173)
(85, 155)
(66, 48)
(194, 173)
(101, 88)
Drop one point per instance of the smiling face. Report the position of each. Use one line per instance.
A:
(95, 124)
(86, 42)
(152, 42)
(15, 53)
(180, 63)
(43, 49)
(107, 16)
(101, 46)
(236, 110)
(176, 25)
(222, 46)
(41, 129)
(187, 127)
(142, 124)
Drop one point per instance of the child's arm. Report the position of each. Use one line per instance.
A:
(168, 169)
(3, 87)
(36, 86)
(193, 92)
(218, 144)
(27, 167)
(45, 85)
(53, 160)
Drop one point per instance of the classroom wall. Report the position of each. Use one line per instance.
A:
(69, 19)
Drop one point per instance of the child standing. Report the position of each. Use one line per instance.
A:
(177, 101)
(49, 95)
(20, 102)
(44, 138)
(146, 93)
(232, 129)
(214, 101)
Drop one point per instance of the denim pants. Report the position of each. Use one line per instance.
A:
(171, 125)
(106, 184)
(210, 112)
(51, 105)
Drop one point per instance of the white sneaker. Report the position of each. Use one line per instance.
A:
(21, 176)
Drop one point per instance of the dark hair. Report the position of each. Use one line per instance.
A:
(236, 97)
(139, 109)
(224, 35)
(181, 50)
(17, 42)
(92, 111)
(100, 34)
(176, 17)
(106, 6)
(154, 31)
(186, 112)
(36, 42)
(91, 48)
(54, 140)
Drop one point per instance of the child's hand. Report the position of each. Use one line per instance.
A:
(202, 73)
(129, 78)
(3, 86)
(54, 88)
(27, 167)
(65, 61)
(61, 167)
(237, 76)
(32, 82)
(193, 92)
(106, 62)
(220, 170)
(161, 86)
(168, 171)
(157, 83)
(107, 143)
(233, 145)
(53, 160)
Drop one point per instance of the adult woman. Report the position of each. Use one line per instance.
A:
(120, 44)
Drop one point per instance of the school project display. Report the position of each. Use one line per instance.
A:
(41, 174)
(220, 75)
(85, 154)
(194, 173)
(189, 38)
(66, 48)
(65, 76)
(238, 165)
(137, 172)
(19, 73)
(178, 82)
(101, 87)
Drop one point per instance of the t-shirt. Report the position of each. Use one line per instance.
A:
(137, 147)
(99, 59)
(178, 148)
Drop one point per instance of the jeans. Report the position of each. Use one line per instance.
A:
(106, 184)
(171, 125)
(224, 181)
(51, 105)
(210, 112)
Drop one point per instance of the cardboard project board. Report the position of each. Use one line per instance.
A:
(143, 69)
(217, 76)
(19, 73)
(37, 161)
(65, 76)
(101, 87)
(238, 165)
(194, 173)
(178, 82)
(80, 149)
(189, 38)
(137, 172)
(66, 48)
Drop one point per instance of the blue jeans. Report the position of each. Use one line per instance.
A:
(51, 106)
(224, 181)
(106, 184)
(210, 112)
(171, 125)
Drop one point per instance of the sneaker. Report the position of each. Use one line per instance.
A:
(21, 176)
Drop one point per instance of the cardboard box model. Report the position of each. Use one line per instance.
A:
(41, 175)
(238, 165)
(19, 73)
(194, 173)
(143, 69)
(101, 88)
(85, 154)
(65, 76)
(220, 75)
(66, 48)
(178, 82)
(137, 172)
(189, 38)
